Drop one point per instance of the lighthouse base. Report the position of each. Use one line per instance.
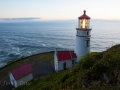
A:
(81, 47)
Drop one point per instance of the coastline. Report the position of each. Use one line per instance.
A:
(39, 62)
(28, 59)
(20, 59)
(25, 60)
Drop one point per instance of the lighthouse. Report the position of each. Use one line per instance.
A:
(82, 45)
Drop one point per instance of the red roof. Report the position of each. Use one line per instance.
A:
(65, 55)
(84, 16)
(21, 71)
(74, 55)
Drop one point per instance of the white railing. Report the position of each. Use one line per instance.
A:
(86, 27)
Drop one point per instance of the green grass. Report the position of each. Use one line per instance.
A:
(52, 62)
(44, 56)
(85, 75)
(6, 70)
(26, 60)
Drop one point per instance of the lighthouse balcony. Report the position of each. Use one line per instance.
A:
(85, 28)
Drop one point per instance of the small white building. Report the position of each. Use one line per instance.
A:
(21, 75)
(64, 60)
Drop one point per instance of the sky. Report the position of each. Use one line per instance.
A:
(58, 9)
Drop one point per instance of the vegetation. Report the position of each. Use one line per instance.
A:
(44, 56)
(25, 60)
(88, 74)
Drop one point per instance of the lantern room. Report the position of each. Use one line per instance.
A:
(84, 21)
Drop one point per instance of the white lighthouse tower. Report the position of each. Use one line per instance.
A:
(82, 45)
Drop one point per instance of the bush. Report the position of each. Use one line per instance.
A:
(90, 59)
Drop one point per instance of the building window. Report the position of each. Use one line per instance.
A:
(73, 61)
(87, 33)
(64, 66)
(87, 43)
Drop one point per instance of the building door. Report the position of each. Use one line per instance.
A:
(64, 66)
(73, 62)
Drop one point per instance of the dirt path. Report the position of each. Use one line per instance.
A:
(40, 69)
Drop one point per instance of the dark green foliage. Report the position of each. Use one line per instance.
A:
(11, 61)
(86, 75)
(90, 59)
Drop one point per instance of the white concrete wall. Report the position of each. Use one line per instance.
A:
(61, 63)
(75, 61)
(12, 79)
(25, 79)
(21, 81)
(80, 46)
(83, 33)
(55, 62)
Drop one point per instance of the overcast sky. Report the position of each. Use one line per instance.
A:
(60, 9)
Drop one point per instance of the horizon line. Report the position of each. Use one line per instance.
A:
(25, 19)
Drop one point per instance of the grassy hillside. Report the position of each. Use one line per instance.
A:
(26, 60)
(95, 71)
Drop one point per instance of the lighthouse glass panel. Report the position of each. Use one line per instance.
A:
(84, 23)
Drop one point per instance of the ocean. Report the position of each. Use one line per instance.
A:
(20, 39)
